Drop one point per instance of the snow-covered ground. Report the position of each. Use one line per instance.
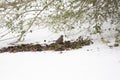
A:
(94, 62)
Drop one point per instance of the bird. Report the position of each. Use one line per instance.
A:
(60, 40)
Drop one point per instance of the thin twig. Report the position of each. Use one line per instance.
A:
(9, 38)
(35, 19)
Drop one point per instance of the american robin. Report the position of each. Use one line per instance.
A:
(60, 40)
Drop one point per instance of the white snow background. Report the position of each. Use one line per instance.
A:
(94, 62)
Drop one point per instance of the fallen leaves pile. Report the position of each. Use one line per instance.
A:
(66, 45)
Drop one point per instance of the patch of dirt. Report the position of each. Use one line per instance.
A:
(59, 45)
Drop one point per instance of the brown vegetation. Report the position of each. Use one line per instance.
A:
(59, 45)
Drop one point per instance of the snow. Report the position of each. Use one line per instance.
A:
(70, 65)
(94, 62)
